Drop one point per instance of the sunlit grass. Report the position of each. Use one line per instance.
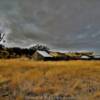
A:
(73, 78)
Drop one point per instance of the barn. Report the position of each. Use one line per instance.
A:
(41, 55)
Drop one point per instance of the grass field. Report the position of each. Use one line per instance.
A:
(66, 80)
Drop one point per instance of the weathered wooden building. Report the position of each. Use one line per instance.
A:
(51, 56)
(41, 55)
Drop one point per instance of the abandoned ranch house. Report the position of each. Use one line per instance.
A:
(58, 56)
(43, 55)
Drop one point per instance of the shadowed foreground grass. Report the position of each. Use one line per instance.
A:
(66, 80)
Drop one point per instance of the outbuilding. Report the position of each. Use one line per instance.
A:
(84, 57)
(97, 57)
(42, 55)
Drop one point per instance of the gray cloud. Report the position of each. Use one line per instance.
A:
(69, 24)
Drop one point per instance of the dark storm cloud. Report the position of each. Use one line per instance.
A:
(73, 24)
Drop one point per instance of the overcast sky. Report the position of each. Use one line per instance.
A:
(64, 24)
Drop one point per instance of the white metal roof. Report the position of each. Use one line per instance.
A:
(44, 53)
(85, 57)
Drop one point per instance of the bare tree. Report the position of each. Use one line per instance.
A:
(40, 47)
(2, 37)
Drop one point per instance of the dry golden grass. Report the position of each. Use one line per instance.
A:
(77, 80)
